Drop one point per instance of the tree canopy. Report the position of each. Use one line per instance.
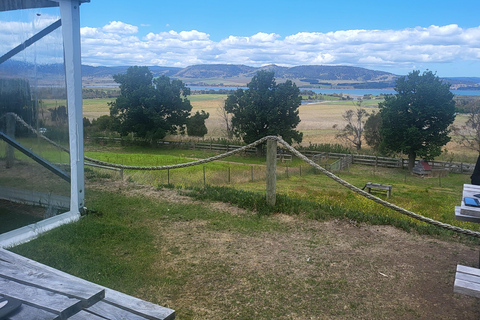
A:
(196, 124)
(150, 108)
(265, 108)
(416, 120)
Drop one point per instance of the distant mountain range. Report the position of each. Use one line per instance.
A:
(240, 75)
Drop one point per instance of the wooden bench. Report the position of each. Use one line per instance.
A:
(377, 186)
(467, 281)
(284, 157)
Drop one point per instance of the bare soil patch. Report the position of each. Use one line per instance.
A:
(308, 269)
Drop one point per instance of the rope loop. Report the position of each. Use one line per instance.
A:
(289, 148)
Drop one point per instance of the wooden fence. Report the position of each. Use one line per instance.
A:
(347, 159)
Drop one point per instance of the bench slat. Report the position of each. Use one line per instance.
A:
(468, 270)
(466, 287)
(467, 277)
(464, 217)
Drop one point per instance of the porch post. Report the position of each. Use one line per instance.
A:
(70, 15)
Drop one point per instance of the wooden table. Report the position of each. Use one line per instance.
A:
(47, 293)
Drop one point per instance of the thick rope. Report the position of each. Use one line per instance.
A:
(376, 199)
(292, 150)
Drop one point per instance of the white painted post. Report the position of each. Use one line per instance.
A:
(271, 172)
(70, 15)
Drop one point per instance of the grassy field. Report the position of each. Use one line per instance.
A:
(322, 253)
(320, 122)
(209, 260)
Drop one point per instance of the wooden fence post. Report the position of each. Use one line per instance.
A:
(271, 172)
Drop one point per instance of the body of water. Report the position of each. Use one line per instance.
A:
(353, 92)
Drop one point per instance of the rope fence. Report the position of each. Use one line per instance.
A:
(293, 151)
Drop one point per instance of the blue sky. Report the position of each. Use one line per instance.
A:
(393, 36)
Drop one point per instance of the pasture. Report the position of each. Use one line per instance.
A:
(322, 253)
(320, 122)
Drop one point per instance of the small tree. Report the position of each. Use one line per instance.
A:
(469, 134)
(416, 120)
(196, 124)
(265, 108)
(226, 119)
(371, 130)
(355, 126)
(150, 108)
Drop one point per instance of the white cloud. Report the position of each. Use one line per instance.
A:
(119, 43)
(367, 48)
(120, 28)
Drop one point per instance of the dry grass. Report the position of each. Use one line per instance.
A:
(320, 122)
(228, 264)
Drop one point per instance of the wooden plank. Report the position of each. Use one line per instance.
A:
(466, 287)
(85, 315)
(467, 277)
(112, 312)
(462, 217)
(121, 300)
(27, 312)
(468, 270)
(26, 271)
(469, 190)
(58, 304)
(145, 308)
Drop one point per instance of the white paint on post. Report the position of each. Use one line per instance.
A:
(70, 14)
(271, 172)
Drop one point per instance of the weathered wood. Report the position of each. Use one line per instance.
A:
(462, 217)
(469, 190)
(26, 312)
(377, 186)
(85, 315)
(141, 307)
(467, 281)
(23, 270)
(42, 299)
(466, 287)
(468, 270)
(271, 172)
(113, 312)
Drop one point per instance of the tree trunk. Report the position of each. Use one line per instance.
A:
(411, 160)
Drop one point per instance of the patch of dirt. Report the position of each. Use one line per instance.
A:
(170, 195)
(330, 270)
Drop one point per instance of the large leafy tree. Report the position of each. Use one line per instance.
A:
(265, 108)
(416, 120)
(371, 131)
(150, 108)
(196, 124)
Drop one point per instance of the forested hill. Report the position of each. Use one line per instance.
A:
(240, 75)
(306, 76)
(302, 75)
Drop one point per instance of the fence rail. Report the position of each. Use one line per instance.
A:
(367, 160)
